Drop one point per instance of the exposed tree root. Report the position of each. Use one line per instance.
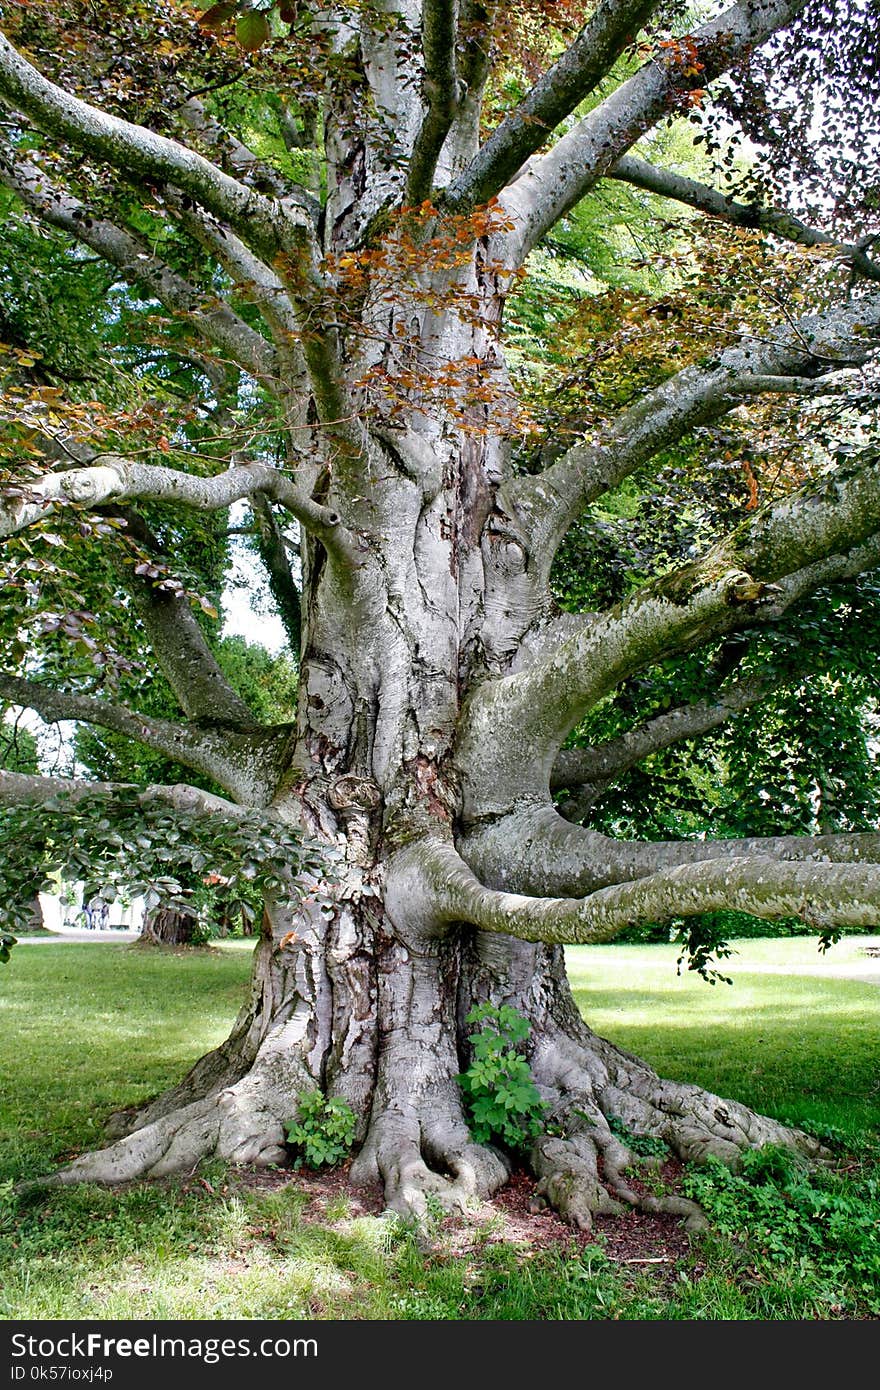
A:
(417, 1155)
(418, 1144)
(593, 1089)
(236, 1101)
(242, 1123)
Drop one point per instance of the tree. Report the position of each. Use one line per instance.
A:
(333, 303)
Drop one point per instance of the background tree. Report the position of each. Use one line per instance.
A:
(325, 237)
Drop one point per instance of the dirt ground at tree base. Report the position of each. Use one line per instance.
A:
(637, 1241)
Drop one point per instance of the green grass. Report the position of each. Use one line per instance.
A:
(88, 1028)
(795, 1045)
(800, 1047)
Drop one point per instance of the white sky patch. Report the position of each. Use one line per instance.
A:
(248, 606)
(243, 617)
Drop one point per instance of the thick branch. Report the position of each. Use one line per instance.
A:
(263, 286)
(593, 53)
(19, 789)
(576, 767)
(185, 657)
(551, 185)
(292, 386)
(117, 479)
(446, 890)
(441, 93)
(245, 759)
(247, 166)
(178, 641)
(512, 727)
(475, 22)
(214, 319)
(277, 229)
(816, 345)
(173, 740)
(270, 225)
(700, 195)
(535, 851)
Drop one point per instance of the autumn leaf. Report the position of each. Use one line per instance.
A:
(215, 18)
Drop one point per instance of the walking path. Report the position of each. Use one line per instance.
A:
(63, 934)
(866, 972)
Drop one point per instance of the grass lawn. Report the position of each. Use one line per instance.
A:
(91, 1027)
(791, 1036)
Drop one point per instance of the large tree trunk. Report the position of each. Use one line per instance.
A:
(169, 926)
(438, 682)
(360, 989)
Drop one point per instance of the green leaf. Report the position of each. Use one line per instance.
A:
(252, 30)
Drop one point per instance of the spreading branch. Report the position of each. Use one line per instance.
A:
(443, 889)
(270, 225)
(552, 184)
(553, 97)
(440, 89)
(814, 346)
(215, 320)
(116, 479)
(535, 851)
(513, 726)
(21, 789)
(591, 769)
(242, 757)
(246, 166)
(278, 230)
(782, 224)
(258, 281)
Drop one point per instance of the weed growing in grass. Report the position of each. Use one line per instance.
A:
(815, 1224)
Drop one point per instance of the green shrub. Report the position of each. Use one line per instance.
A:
(645, 1145)
(502, 1099)
(324, 1129)
(793, 1217)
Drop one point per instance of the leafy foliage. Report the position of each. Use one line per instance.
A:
(789, 1215)
(146, 848)
(645, 1145)
(503, 1101)
(324, 1129)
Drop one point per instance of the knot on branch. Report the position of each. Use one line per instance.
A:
(742, 588)
(352, 793)
(89, 484)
